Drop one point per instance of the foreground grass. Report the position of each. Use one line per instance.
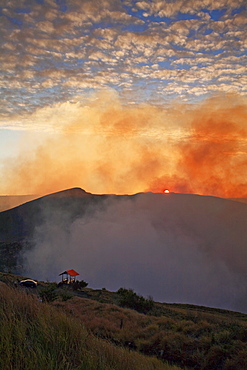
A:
(191, 337)
(35, 335)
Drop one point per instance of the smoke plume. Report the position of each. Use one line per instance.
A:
(106, 147)
(176, 248)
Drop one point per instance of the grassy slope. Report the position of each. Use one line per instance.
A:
(35, 335)
(185, 335)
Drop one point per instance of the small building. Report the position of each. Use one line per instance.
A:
(69, 276)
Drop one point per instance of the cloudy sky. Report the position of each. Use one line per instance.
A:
(88, 84)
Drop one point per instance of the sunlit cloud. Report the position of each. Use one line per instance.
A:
(150, 40)
(120, 74)
(108, 147)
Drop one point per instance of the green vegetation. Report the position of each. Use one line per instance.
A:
(48, 294)
(95, 321)
(132, 300)
(77, 285)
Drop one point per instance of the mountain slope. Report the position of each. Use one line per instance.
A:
(176, 247)
(19, 222)
(11, 201)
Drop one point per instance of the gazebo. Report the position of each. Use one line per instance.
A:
(68, 276)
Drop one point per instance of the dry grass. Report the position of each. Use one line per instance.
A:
(195, 338)
(35, 335)
(183, 335)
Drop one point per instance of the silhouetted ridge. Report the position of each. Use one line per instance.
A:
(18, 224)
(70, 193)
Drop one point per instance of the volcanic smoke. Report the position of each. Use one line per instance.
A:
(107, 147)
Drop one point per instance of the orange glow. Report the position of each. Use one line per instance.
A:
(106, 147)
(166, 191)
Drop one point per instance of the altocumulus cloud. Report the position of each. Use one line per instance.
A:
(155, 50)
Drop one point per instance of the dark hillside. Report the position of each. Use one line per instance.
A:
(182, 248)
(18, 223)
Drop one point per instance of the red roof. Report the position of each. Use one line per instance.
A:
(70, 272)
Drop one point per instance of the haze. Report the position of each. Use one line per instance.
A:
(177, 247)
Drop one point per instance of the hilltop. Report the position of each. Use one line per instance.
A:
(184, 335)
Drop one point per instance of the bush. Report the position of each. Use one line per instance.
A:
(65, 296)
(215, 358)
(77, 285)
(49, 294)
(128, 298)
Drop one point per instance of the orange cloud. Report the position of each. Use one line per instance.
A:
(106, 147)
(213, 160)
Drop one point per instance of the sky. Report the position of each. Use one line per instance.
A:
(121, 96)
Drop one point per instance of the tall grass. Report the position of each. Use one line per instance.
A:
(35, 335)
(208, 339)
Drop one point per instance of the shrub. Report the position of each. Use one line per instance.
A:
(49, 294)
(128, 298)
(77, 285)
(215, 358)
(65, 296)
